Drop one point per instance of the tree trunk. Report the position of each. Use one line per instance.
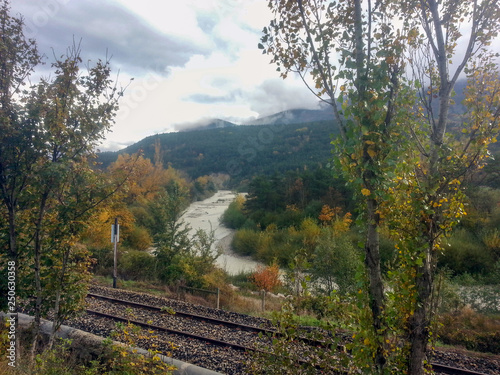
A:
(58, 319)
(37, 274)
(420, 321)
(376, 287)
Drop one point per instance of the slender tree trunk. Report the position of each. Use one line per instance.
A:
(38, 294)
(58, 319)
(420, 321)
(376, 287)
(37, 274)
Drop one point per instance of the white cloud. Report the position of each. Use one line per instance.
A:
(191, 59)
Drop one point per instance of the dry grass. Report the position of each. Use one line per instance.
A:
(470, 330)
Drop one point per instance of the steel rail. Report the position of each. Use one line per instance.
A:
(226, 323)
(240, 326)
(435, 366)
(186, 334)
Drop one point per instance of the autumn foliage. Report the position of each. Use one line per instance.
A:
(267, 278)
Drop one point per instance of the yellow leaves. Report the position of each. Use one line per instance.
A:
(342, 225)
(365, 192)
(371, 152)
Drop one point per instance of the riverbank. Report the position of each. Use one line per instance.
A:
(206, 215)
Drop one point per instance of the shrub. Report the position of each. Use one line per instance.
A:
(245, 242)
(471, 330)
(335, 263)
(233, 217)
(267, 278)
(139, 239)
(136, 265)
(466, 253)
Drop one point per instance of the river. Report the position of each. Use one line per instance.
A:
(206, 215)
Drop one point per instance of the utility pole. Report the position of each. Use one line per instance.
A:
(115, 237)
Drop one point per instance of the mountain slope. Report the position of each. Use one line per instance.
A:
(240, 151)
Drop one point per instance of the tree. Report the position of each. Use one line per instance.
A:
(447, 150)
(18, 58)
(352, 52)
(49, 132)
(170, 233)
(356, 57)
(267, 278)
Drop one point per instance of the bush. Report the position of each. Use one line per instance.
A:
(335, 263)
(466, 253)
(267, 278)
(471, 330)
(104, 260)
(233, 217)
(245, 242)
(139, 239)
(136, 265)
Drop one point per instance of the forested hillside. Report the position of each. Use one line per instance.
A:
(241, 152)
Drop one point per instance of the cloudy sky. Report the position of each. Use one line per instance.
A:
(191, 60)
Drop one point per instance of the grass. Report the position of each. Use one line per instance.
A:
(246, 302)
(135, 286)
(471, 330)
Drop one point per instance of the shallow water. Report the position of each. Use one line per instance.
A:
(206, 215)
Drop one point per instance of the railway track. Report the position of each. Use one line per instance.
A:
(229, 339)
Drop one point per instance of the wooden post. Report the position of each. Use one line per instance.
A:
(263, 300)
(218, 297)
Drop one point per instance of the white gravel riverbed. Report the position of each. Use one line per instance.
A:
(206, 215)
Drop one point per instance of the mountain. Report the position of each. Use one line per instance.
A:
(209, 124)
(240, 151)
(295, 116)
(292, 116)
(289, 140)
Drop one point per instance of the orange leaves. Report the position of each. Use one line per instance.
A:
(267, 278)
(330, 216)
(327, 214)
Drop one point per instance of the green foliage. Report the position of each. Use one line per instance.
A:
(286, 361)
(233, 217)
(246, 242)
(123, 360)
(48, 133)
(178, 257)
(136, 265)
(247, 150)
(139, 238)
(466, 254)
(335, 264)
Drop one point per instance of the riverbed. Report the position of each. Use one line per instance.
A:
(206, 215)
